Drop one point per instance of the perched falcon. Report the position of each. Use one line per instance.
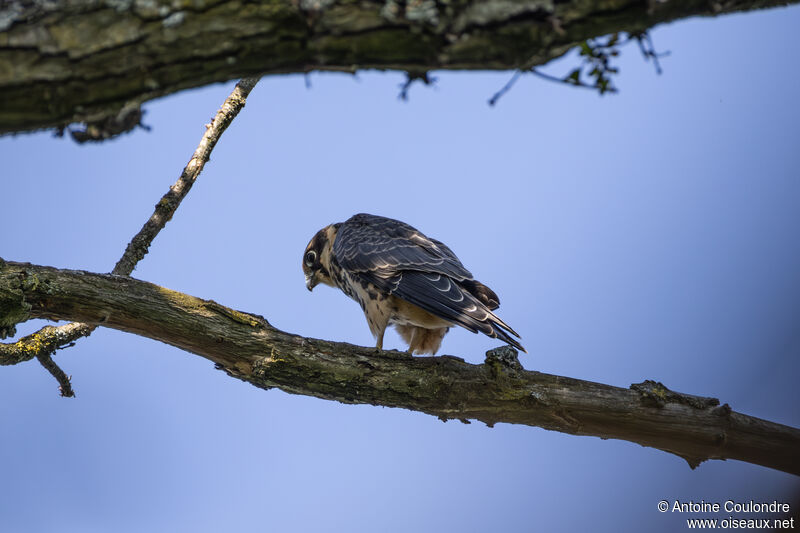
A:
(401, 277)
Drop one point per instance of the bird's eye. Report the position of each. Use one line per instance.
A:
(311, 257)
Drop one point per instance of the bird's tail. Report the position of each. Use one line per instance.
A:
(501, 330)
(482, 293)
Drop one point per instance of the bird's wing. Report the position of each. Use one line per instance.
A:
(383, 247)
(445, 298)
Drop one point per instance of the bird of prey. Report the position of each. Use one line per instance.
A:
(401, 277)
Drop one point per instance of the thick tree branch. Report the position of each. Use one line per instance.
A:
(87, 60)
(248, 348)
(44, 343)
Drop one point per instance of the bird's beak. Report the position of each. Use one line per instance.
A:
(311, 281)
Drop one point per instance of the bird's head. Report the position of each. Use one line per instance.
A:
(317, 257)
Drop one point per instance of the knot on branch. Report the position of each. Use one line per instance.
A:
(411, 77)
(503, 357)
(694, 462)
(723, 410)
(241, 370)
(7, 331)
(123, 121)
(655, 394)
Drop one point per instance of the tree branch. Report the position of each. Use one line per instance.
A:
(248, 348)
(166, 207)
(64, 385)
(44, 343)
(87, 60)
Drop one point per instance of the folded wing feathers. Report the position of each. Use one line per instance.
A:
(445, 298)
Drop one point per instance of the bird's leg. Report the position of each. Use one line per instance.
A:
(378, 321)
(413, 343)
(379, 345)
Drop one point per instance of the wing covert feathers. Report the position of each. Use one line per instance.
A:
(369, 243)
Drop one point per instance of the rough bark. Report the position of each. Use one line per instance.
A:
(499, 390)
(65, 61)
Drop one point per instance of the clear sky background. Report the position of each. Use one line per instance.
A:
(647, 235)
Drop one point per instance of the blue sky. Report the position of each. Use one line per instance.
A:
(646, 235)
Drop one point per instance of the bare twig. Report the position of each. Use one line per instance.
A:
(47, 340)
(572, 82)
(568, 81)
(648, 49)
(597, 54)
(65, 388)
(507, 87)
(166, 207)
